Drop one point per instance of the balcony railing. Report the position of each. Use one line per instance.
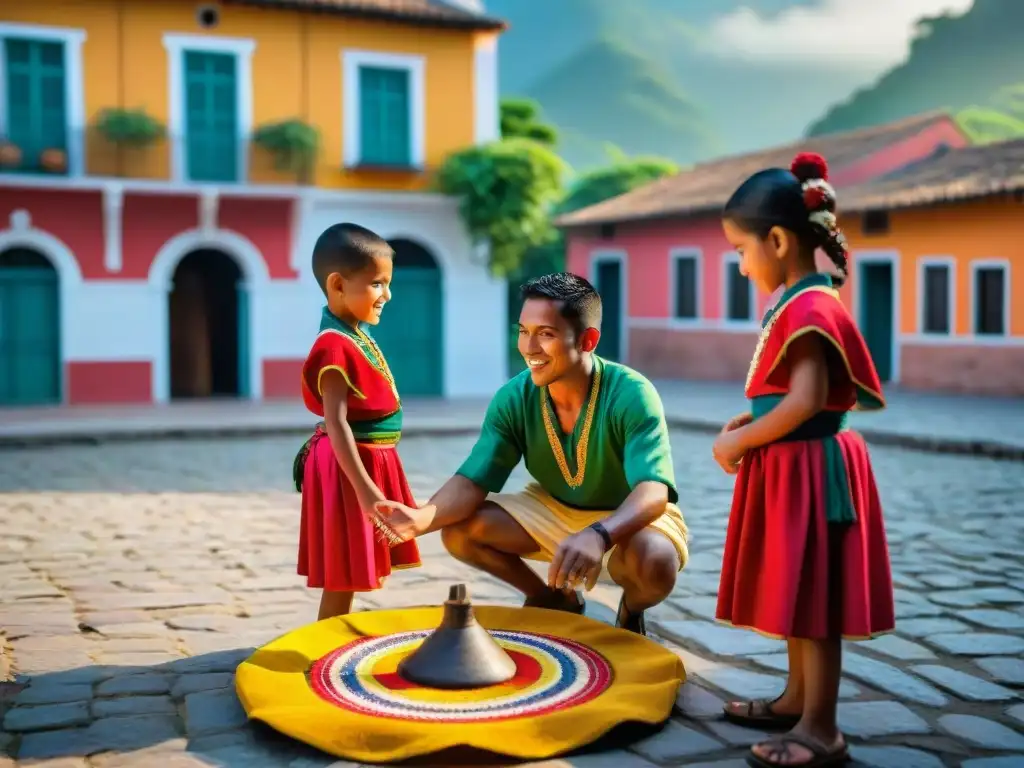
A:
(178, 158)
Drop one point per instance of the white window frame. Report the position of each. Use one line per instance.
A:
(976, 266)
(922, 267)
(351, 140)
(242, 49)
(676, 255)
(74, 106)
(728, 259)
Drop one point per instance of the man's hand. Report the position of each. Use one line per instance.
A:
(578, 558)
(406, 522)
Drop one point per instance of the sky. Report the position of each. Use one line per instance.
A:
(866, 35)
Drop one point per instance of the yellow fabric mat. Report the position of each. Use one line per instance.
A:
(333, 685)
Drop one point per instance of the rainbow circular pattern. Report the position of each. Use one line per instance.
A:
(552, 674)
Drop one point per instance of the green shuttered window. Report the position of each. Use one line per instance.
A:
(385, 117)
(211, 116)
(36, 108)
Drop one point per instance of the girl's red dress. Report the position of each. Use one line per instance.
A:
(806, 553)
(339, 548)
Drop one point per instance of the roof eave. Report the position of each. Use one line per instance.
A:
(475, 23)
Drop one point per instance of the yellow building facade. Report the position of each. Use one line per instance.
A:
(200, 93)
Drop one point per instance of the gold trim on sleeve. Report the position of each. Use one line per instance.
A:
(343, 372)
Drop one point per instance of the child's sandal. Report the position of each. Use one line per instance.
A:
(821, 755)
(758, 713)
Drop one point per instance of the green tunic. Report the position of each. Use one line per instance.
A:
(627, 442)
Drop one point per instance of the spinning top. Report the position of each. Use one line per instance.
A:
(459, 653)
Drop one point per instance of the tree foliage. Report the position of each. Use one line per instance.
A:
(985, 126)
(506, 190)
(520, 119)
(616, 179)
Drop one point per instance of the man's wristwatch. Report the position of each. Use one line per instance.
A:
(603, 533)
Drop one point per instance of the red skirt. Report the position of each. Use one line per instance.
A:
(786, 570)
(339, 548)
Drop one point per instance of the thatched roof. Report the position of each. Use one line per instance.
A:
(429, 13)
(706, 187)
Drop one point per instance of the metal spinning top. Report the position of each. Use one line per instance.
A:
(459, 653)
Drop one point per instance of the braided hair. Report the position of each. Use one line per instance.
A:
(799, 199)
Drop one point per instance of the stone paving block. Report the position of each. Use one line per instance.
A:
(613, 759)
(203, 681)
(897, 648)
(698, 703)
(993, 618)
(1017, 713)
(717, 639)
(895, 681)
(963, 685)
(210, 711)
(978, 644)
(135, 732)
(50, 744)
(675, 742)
(142, 684)
(924, 627)
(1006, 670)
(981, 732)
(47, 692)
(894, 757)
(1006, 761)
(867, 719)
(133, 705)
(974, 598)
(219, 661)
(736, 735)
(46, 717)
(780, 662)
(743, 684)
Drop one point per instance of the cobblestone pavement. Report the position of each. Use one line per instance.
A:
(134, 577)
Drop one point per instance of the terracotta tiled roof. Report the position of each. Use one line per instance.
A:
(955, 174)
(707, 186)
(432, 13)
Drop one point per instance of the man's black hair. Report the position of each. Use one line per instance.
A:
(579, 303)
(346, 248)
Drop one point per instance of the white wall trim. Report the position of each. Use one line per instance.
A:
(176, 45)
(21, 234)
(255, 275)
(615, 256)
(862, 258)
(351, 62)
(72, 39)
(675, 255)
(486, 109)
(936, 261)
(977, 264)
(961, 340)
(113, 208)
(728, 259)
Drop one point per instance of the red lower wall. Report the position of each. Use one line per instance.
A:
(281, 379)
(109, 382)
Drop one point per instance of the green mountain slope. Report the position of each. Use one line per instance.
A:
(608, 93)
(956, 62)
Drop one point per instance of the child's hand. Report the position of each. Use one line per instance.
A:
(728, 451)
(406, 522)
(736, 422)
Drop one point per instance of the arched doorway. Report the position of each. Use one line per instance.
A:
(208, 327)
(411, 332)
(30, 367)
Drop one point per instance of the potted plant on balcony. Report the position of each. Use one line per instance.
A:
(54, 160)
(10, 154)
(293, 144)
(129, 127)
